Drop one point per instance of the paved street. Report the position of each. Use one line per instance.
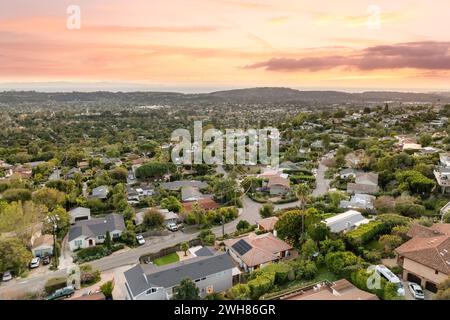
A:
(322, 184)
(125, 257)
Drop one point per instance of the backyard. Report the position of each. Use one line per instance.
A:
(167, 259)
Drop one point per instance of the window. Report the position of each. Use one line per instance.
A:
(101, 237)
(78, 243)
(150, 291)
(436, 271)
(115, 235)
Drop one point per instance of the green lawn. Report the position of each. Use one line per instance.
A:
(170, 258)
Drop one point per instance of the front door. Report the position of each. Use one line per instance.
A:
(91, 242)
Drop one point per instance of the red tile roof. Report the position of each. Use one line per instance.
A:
(429, 246)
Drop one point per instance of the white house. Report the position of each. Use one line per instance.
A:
(89, 233)
(345, 221)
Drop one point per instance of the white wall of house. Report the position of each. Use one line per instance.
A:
(218, 282)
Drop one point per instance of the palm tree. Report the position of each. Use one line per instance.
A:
(302, 193)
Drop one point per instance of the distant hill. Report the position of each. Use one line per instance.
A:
(250, 95)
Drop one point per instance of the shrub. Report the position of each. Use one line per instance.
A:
(92, 253)
(259, 286)
(54, 284)
(239, 292)
(365, 233)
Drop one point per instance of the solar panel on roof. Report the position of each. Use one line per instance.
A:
(241, 247)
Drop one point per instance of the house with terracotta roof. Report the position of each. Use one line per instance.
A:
(278, 185)
(425, 258)
(205, 204)
(256, 251)
(268, 224)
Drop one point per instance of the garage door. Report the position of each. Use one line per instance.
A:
(431, 286)
(413, 278)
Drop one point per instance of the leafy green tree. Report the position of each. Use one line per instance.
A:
(51, 198)
(337, 261)
(243, 225)
(187, 290)
(309, 248)
(17, 194)
(153, 219)
(119, 174)
(390, 242)
(171, 203)
(154, 170)
(14, 256)
(267, 210)
(319, 231)
(108, 241)
(330, 245)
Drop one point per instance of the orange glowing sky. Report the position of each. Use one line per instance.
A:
(229, 43)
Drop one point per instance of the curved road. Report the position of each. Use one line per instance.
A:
(249, 212)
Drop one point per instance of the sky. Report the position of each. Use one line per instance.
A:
(212, 44)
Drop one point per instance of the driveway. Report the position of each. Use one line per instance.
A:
(322, 184)
(408, 295)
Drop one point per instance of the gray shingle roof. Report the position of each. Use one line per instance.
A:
(172, 274)
(97, 227)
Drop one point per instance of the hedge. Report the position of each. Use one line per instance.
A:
(365, 233)
(54, 284)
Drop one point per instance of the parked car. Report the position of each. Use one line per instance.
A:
(172, 227)
(46, 260)
(140, 239)
(7, 276)
(416, 291)
(65, 292)
(35, 262)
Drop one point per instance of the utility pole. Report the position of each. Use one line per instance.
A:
(53, 220)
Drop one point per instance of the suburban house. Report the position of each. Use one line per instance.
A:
(359, 201)
(256, 251)
(288, 166)
(268, 224)
(100, 192)
(365, 182)
(338, 290)
(169, 216)
(442, 175)
(205, 204)
(43, 246)
(346, 221)
(348, 173)
(137, 194)
(79, 214)
(211, 272)
(89, 233)
(278, 185)
(72, 172)
(189, 193)
(444, 159)
(425, 258)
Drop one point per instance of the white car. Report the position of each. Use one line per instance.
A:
(35, 263)
(140, 239)
(172, 227)
(416, 291)
(7, 276)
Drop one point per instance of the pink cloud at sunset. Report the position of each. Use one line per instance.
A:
(228, 42)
